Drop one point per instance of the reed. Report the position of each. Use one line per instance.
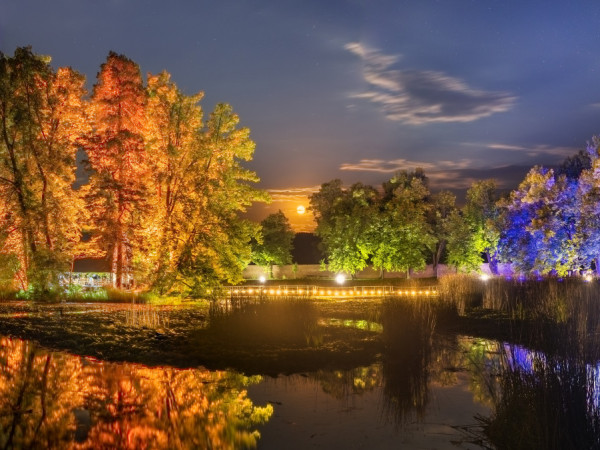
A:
(463, 291)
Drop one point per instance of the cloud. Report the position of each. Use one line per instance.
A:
(453, 175)
(418, 97)
(295, 195)
(394, 165)
(532, 150)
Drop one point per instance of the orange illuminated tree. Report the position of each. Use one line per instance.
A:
(117, 195)
(41, 117)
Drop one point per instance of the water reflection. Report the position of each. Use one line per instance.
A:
(387, 369)
(55, 400)
(543, 401)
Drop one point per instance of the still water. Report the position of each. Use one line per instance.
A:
(282, 376)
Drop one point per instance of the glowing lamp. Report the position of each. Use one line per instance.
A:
(262, 279)
(340, 278)
(484, 277)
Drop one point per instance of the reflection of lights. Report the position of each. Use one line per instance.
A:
(278, 292)
(379, 292)
(340, 278)
(484, 277)
(271, 291)
(328, 292)
(250, 291)
(321, 293)
(285, 291)
(426, 292)
(262, 279)
(372, 292)
(299, 291)
(413, 293)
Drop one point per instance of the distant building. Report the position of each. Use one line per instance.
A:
(90, 272)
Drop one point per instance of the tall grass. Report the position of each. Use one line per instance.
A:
(544, 403)
(462, 291)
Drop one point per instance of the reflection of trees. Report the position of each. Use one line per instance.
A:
(51, 400)
(408, 328)
(340, 384)
(287, 321)
(38, 390)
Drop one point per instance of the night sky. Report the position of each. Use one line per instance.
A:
(355, 89)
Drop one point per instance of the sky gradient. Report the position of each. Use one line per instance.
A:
(355, 89)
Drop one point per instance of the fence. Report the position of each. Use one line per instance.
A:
(320, 291)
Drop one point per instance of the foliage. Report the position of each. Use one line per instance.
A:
(42, 115)
(439, 218)
(343, 217)
(275, 243)
(463, 244)
(117, 196)
(540, 226)
(483, 215)
(165, 191)
(400, 233)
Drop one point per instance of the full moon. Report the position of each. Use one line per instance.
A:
(301, 209)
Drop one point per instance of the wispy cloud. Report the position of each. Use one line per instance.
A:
(456, 175)
(418, 97)
(394, 165)
(531, 150)
(294, 195)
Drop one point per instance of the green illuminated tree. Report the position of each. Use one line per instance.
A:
(442, 207)
(462, 244)
(343, 219)
(212, 242)
(400, 234)
(482, 213)
(274, 245)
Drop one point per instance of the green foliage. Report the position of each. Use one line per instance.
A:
(274, 245)
(464, 245)
(400, 234)
(443, 205)
(343, 218)
(45, 274)
(483, 216)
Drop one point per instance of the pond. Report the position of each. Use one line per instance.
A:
(285, 374)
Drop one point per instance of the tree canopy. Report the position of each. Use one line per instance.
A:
(166, 187)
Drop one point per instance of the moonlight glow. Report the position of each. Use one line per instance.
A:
(301, 209)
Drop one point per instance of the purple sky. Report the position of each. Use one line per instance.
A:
(355, 89)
